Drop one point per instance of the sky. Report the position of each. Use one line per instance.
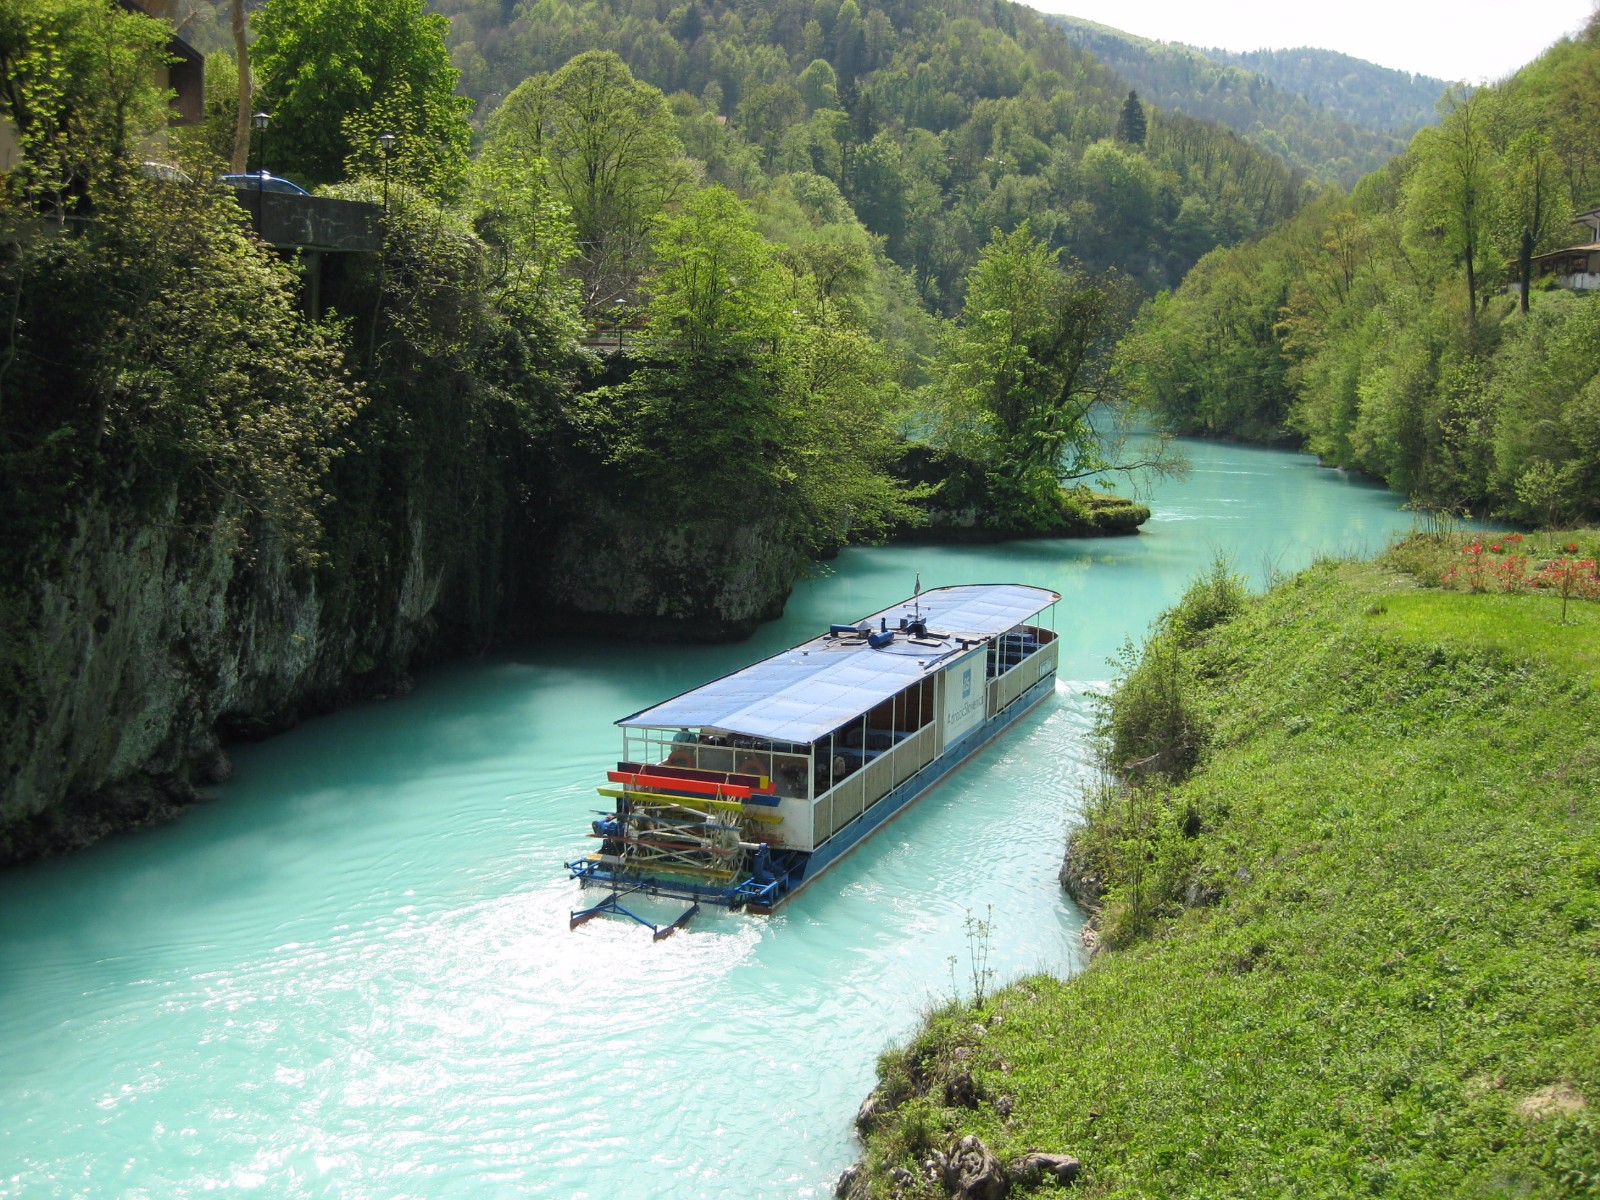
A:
(1472, 40)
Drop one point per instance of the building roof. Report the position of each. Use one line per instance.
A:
(1566, 250)
(811, 689)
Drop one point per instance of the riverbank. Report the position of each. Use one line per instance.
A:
(1355, 952)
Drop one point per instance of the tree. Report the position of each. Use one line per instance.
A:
(202, 379)
(766, 113)
(717, 292)
(1123, 188)
(239, 159)
(761, 400)
(1131, 124)
(531, 233)
(878, 186)
(323, 62)
(614, 159)
(1023, 375)
(1451, 191)
(699, 429)
(839, 396)
(819, 85)
(76, 79)
(1534, 200)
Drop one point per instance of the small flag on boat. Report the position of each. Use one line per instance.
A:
(917, 591)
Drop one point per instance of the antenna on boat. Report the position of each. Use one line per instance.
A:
(916, 592)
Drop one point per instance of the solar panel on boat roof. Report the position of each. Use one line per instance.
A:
(808, 691)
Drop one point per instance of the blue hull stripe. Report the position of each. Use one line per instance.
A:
(918, 785)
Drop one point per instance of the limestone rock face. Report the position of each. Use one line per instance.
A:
(148, 634)
(142, 636)
(1079, 878)
(709, 580)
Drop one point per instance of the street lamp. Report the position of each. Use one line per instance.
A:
(616, 319)
(386, 140)
(261, 120)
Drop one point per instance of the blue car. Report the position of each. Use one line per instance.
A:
(262, 182)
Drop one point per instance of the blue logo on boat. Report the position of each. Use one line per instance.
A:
(966, 683)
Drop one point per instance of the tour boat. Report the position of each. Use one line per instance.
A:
(743, 790)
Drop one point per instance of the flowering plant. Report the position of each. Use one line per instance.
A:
(1504, 567)
(1474, 571)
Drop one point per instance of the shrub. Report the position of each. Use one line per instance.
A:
(1212, 599)
(1152, 725)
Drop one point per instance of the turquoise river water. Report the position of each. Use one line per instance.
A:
(351, 974)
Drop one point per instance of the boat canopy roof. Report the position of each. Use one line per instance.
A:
(812, 689)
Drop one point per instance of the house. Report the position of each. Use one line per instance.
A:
(1575, 267)
(185, 76)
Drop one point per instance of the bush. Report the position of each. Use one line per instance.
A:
(1212, 599)
(1152, 725)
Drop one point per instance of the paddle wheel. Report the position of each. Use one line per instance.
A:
(691, 833)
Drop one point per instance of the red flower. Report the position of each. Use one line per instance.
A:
(1571, 547)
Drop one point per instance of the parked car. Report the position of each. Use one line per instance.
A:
(262, 182)
(163, 172)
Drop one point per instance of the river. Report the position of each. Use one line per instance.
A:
(351, 975)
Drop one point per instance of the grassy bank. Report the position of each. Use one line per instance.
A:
(1354, 951)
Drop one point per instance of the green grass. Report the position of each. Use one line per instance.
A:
(1360, 944)
(1528, 625)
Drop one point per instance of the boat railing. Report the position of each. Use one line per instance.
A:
(1005, 688)
(789, 772)
(860, 790)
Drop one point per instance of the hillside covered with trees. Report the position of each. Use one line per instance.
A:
(1334, 117)
(1361, 92)
(936, 122)
(1388, 329)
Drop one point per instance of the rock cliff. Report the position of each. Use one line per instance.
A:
(707, 580)
(148, 637)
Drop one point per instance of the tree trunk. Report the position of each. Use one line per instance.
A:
(1472, 275)
(240, 162)
(1525, 265)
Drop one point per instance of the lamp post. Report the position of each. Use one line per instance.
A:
(386, 140)
(617, 307)
(260, 120)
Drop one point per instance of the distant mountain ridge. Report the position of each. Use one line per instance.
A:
(1331, 115)
(1361, 92)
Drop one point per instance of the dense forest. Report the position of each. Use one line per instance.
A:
(1368, 95)
(1389, 329)
(937, 122)
(1334, 117)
